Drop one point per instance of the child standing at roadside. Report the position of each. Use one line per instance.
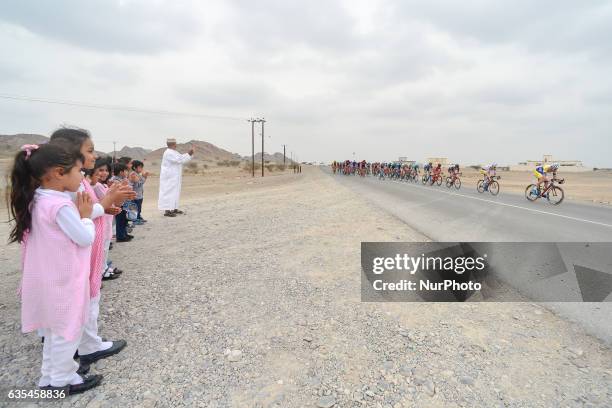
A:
(97, 177)
(137, 180)
(120, 177)
(56, 235)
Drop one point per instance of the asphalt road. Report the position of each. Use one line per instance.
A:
(450, 215)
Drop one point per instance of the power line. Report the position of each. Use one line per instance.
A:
(115, 107)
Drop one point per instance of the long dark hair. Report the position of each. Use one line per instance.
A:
(72, 135)
(26, 174)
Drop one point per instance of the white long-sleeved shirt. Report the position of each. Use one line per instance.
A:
(80, 230)
(98, 210)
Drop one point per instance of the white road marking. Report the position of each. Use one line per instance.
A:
(507, 205)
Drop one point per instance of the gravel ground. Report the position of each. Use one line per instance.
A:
(252, 299)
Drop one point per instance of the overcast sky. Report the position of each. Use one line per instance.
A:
(475, 81)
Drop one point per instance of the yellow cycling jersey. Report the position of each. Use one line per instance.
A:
(541, 170)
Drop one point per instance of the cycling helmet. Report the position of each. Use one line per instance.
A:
(493, 165)
(554, 166)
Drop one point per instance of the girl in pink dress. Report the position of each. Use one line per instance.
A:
(97, 179)
(92, 348)
(57, 235)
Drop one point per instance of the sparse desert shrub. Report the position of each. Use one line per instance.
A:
(192, 167)
(248, 166)
(227, 163)
(234, 163)
(270, 167)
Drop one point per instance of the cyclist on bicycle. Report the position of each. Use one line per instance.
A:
(437, 172)
(453, 171)
(541, 174)
(488, 172)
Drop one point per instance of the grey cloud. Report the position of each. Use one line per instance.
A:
(10, 74)
(272, 25)
(140, 27)
(545, 25)
(114, 73)
(600, 98)
(228, 94)
(508, 95)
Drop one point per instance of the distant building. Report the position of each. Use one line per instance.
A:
(404, 160)
(571, 166)
(435, 160)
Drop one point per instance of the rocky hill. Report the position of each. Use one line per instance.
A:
(137, 153)
(276, 158)
(9, 144)
(204, 151)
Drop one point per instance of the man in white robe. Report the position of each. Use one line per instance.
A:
(170, 178)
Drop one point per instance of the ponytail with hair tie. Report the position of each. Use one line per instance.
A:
(28, 149)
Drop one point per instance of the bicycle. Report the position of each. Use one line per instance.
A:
(437, 179)
(492, 186)
(553, 193)
(456, 182)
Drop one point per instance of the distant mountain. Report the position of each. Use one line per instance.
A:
(10, 144)
(204, 151)
(137, 153)
(272, 158)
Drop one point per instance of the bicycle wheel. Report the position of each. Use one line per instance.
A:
(530, 193)
(439, 181)
(449, 182)
(424, 180)
(555, 195)
(480, 186)
(457, 184)
(494, 188)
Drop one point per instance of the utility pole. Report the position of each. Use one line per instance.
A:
(284, 155)
(263, 121)
(252, 147)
